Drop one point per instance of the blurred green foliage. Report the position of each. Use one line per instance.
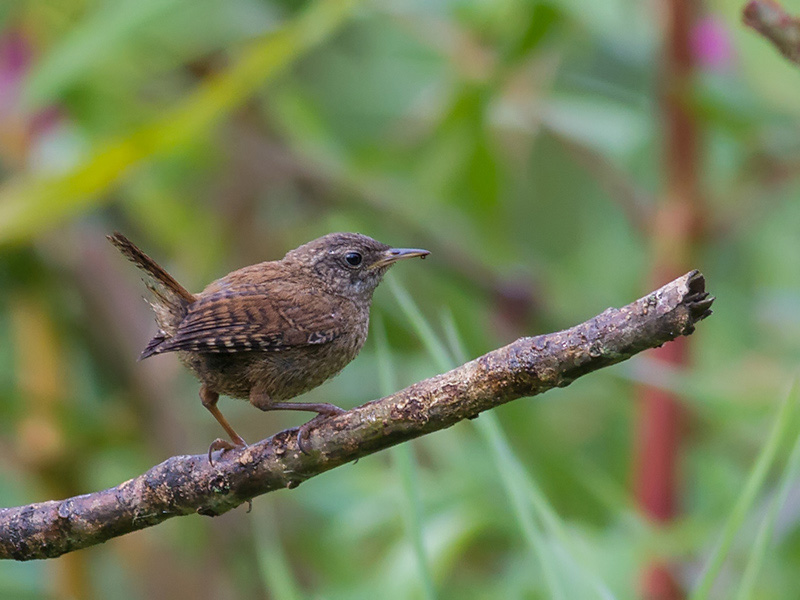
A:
(516, 139)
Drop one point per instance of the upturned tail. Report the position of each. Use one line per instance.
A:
(170, 298)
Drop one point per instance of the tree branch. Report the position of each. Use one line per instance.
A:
(769, 19)
(184, 485)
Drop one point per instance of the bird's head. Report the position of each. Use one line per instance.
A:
(349, 264)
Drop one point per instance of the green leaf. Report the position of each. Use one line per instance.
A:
(546, 538)
(90, 42)
(274, 567)
(745, 501)
(760, 547)
(406, 466)
(539, 22)
(29, 204)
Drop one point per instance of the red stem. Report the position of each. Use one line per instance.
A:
(674, 228)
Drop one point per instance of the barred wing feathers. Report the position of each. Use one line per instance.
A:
(249, 319)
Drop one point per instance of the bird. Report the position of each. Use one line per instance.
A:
(270, 331)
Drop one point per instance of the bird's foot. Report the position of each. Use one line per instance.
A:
(220, 444)
(325, 410)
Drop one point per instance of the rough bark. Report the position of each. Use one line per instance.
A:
(184, 485)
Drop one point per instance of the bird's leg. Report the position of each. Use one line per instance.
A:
(323, 410)
(210, 398)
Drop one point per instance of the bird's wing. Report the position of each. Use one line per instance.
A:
(243, 319)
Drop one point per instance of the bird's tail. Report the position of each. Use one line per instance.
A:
(170, 298)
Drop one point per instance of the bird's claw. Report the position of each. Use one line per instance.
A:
(302, 435)
(302, 431)
(220, 444)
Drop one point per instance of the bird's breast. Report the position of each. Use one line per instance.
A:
(288, 372)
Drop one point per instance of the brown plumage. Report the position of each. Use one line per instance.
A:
(270, 331)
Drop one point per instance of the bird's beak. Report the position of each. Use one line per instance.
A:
(392, 255)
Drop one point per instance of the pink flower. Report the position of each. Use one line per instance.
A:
(711, 44)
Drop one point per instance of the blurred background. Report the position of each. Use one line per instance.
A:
(557, 157)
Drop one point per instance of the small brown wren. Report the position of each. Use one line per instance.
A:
(273, 330)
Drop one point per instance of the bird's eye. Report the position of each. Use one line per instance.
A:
(353, 259)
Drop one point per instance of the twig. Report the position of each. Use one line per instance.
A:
(184, 485)
(769, 19)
